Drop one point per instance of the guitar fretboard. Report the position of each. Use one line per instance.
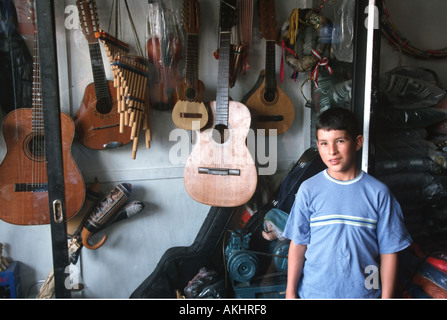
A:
(37, 105)
(270, 65)
(192, 59)
(99, 75)
(223, 86)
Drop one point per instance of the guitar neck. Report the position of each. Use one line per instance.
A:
(37, 105)
(223, 85)
(99, 75)
(192, 59)
(270, 65)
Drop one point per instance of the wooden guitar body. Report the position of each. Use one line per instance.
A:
(23, 172)
(223, 174)
(100, 130)
(190, 113)
(271, 110)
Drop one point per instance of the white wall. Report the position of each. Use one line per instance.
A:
(170, 218)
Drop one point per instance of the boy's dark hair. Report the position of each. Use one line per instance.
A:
(339, 119)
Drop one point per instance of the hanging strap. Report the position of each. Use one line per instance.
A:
(246, 25)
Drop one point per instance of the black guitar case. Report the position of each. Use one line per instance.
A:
(16, 69)
(308, 165)
(179, 265)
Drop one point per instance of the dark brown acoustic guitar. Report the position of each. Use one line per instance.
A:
(190, 112)
(220, 170)
(98, 120)
(271, 107)
(23, 172)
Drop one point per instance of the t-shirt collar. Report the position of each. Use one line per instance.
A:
(342, 182)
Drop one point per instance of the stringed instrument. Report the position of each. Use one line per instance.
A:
(220, 170)
(23, 172)
(190, 112)
(272, 108)
(98, 121)
(164, 52)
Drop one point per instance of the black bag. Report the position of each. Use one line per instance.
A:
(308, 165)
(179, 265)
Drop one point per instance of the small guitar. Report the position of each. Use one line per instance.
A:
(220, 170)
(98, 120)
(190, 112)
(272, 108)
(23, 172)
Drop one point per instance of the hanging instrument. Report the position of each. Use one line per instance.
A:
(23, 172)
(220, 170)
(97, 121)
(272, 108)
(190, 112)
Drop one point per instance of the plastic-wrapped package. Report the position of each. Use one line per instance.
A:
(406, 165)
(396, 149)
(343, 33)
(410, 118)
(164, 49)
(411, 88)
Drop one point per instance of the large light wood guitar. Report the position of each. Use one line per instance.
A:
(23, 172)
(271, 107)
(190, 112)
(98, 120)
(220, 170)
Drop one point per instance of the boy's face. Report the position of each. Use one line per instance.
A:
(337, 150)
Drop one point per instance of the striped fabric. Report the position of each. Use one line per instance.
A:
(343, 219)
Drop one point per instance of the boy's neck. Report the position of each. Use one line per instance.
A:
(344, 175)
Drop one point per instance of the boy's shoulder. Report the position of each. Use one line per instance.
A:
(367, 179)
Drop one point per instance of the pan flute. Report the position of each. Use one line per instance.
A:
(130, 74)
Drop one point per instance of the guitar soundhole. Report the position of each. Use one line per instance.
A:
(269, 95)
(190, 93)
(221, 134)
(104, 105)
(34, 147)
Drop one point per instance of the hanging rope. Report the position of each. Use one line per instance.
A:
(402, 44)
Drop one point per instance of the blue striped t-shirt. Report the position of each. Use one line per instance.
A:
(346, 225)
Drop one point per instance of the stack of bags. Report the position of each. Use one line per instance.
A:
(411, 157)
(423, 276)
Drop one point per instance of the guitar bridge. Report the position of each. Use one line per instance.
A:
(191, 115)
(31, 187)
(273, 118)
(220, 171)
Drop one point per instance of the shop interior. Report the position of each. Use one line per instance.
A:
(116, 208)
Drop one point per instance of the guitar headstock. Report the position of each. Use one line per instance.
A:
(31, 15)
(228, 13)
(88, 19)
(268, 19)
(191, 18)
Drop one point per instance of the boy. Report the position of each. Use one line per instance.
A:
(345, 226)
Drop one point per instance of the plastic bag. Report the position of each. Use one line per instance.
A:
(343, 33)
(164, 49)
(411, 88)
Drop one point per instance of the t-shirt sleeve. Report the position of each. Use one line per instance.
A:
(392, 235)
(298, 226)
